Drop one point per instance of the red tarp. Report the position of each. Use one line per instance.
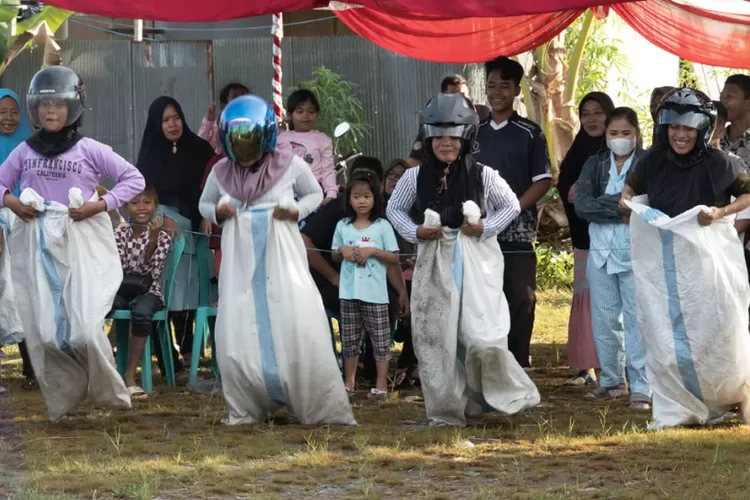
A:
(472, 30)
(222, 10)
(704, 36)
(464, 40)
(698, 35)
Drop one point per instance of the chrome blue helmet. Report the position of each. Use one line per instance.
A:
(247, 129)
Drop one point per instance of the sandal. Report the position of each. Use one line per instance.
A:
(639, 406)
(30, 385)
(137, 393)
(639, 402)
(617, 391)
(401, 380)
(377, 394)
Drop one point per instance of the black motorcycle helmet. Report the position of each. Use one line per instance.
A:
(57, 84)
(691, 108)
(451, 115)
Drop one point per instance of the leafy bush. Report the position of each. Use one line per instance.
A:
(338, 103)
(554, 268)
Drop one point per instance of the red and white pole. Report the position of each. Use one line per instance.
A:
(277, 30)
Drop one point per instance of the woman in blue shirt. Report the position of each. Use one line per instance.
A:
(616, 335)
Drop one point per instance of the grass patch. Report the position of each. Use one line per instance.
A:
(175, 446)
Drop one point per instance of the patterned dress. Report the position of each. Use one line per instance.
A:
(133, 255)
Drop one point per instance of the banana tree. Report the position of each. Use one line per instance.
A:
(36, 31)
(550, 94)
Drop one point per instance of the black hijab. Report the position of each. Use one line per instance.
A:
(174, 169)
(445, 187)
(582, 148)
(52, 144)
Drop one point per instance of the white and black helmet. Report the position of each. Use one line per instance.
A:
(450, 115)
(56, 84)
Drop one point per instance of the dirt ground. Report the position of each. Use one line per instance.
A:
(175, 447)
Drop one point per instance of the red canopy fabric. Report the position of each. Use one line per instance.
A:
(472, 30)
(223, 10)
(460, 40)
(697, 35)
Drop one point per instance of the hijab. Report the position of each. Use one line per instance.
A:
(175, 170)
(9, 142)
(445, 187)
(582, 148)
(247, 184)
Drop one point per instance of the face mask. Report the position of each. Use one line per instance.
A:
(621, 146)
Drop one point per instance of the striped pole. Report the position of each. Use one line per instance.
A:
(277, 30)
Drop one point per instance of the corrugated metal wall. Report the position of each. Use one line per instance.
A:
(122, 78)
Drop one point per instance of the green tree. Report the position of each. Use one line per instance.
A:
(688, 78)
(339, 103)
(35, 30)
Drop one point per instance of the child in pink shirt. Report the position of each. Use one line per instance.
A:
(209, 129)
(311, 145)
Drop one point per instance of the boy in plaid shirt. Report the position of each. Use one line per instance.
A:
(143, 246)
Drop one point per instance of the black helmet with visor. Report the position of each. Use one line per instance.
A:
(57, 84)
(450, 115)
(690, 108)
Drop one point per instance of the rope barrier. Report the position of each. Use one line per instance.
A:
(541, 251)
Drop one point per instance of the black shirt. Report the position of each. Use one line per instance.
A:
(677, 184)
(320, 228)
(518, 151)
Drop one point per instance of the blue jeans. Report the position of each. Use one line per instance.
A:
(616, 335)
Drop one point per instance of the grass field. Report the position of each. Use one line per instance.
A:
(175, 447)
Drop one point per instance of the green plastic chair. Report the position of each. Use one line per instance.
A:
(122, 319)
(202, 313)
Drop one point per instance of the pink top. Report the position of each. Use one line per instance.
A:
(82, 166)
(210, 132)
(316, 149)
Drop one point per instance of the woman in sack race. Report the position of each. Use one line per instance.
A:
(51, 162)
(173, 159)
(610, 273)
(681, 172)
(447, 179)
(272, 335)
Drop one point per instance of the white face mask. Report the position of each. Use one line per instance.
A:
(621, 146)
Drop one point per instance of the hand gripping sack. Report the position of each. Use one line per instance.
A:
(460, 324)
(272, 334)
(692, 298)
(66, 275)
(11, 331)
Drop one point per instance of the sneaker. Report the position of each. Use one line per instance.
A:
(617, 391)
(584, 378)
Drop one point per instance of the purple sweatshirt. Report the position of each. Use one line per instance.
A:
(82, 167)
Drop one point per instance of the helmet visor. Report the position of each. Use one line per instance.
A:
(690, 119)
(447, 130)
(39, 103)
(245, 141)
